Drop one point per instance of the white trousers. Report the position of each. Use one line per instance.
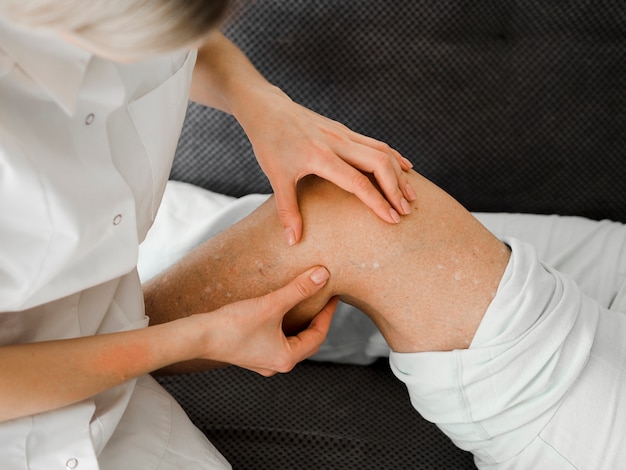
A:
(541, 386)
(543, 383)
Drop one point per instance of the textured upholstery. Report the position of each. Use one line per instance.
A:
(319, 416)
(508, 105)
(513, 106)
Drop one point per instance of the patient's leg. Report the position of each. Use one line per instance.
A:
(425, 282)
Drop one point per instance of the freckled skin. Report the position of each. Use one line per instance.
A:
(417, 306)
(403, 276)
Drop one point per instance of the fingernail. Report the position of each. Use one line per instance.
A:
(394, 215)
(406, 208)
(407, 162)
(320, 276)
(290, 236)
(410, 192)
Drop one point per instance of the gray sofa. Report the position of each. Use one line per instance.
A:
(510, 106)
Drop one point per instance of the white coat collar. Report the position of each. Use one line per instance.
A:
(55, 65)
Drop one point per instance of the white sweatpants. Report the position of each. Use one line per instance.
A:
(543, 383)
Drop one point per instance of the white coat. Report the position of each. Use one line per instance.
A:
(86, 147)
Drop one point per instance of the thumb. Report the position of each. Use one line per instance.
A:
(289, 213)
(299, 289)
(308, 341)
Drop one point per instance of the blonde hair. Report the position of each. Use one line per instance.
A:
(121, 27)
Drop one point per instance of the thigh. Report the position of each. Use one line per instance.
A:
(592, 252)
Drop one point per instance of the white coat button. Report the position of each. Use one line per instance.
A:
(71, 464)
(117, 219)
(89, 119)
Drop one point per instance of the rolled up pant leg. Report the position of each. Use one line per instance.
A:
(592, 252)
(541, 385)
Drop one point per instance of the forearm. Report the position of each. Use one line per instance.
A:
(224, 78)
(42, 376)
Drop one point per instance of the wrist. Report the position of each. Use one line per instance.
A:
(196, 336)
(254, 105)
(187, 339)
(254, 102)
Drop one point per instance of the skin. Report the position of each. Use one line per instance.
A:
(36, 377)
(42, 376)
(426, 283)
(291, 141)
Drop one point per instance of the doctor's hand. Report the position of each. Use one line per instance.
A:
(249, 333)
(291, 141)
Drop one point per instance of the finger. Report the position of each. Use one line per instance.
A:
(308, 341)
(304, 344)
(373, 143)
(405, 163)
(392, 180)
(265, 372)
(387, 165)
(302, 287)
(289, 212)
(389, 174)
(354, 181)
(373, 155)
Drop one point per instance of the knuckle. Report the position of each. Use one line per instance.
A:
(396, 192)
(326, 154)
(302, 288)
(284, 365)
(264, 305)
(337, 130)
(385, 148)
(360, 182)
(285, 215)
(383, 159)
(343, 130)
